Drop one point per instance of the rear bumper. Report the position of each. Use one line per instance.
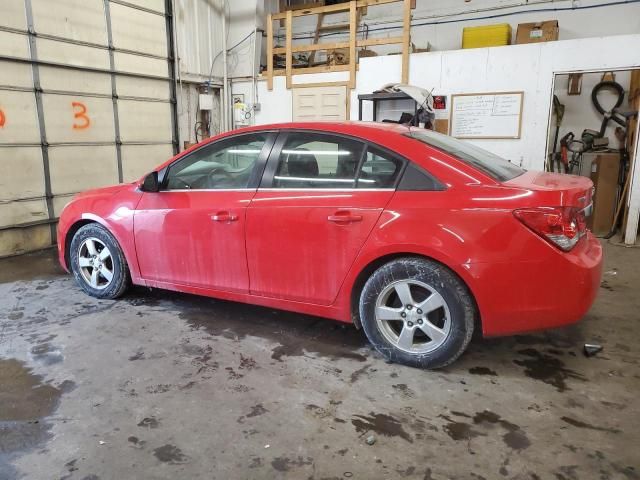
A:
(555, 289)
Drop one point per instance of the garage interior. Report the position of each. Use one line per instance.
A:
(161, 384)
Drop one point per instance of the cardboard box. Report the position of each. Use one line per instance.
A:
(605, 170)
(546, 31)
(441, 125)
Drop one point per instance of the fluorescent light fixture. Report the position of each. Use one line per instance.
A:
(232, 150)
(316, 152)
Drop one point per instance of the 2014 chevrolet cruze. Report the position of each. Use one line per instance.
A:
(415, 236)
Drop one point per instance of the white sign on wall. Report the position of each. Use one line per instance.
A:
(486, 115)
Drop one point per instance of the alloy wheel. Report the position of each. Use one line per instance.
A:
(96, 263)
(413, 316)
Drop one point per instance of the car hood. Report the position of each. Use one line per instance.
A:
(104, 191)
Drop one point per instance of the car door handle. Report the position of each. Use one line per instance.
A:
(343, 217)
(224, 217)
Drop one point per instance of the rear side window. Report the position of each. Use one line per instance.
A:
(379, 170)
(496, 167)
(314, 160)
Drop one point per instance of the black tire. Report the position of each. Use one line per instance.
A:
(457, 315)
(118, 265)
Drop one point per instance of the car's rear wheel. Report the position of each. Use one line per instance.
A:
(97, 262)
(417, 312)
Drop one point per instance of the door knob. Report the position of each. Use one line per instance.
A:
(343, 217)
(224, 217)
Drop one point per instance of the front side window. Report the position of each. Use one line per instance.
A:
(496, 167)
(226, 164)
(313, 160)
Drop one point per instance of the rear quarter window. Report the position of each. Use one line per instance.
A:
(488, 163)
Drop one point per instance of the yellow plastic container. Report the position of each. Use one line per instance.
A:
(486, 36)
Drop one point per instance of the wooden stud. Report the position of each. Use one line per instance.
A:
(331, 46)
(316, 69)
(340, 7)
(320, 84)
(316, 39)
(270, 52)
(288, 61)
(406, 40)
(379, 41)
(312, 48)
(353, 25)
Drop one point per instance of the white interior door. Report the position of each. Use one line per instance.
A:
(319, 103)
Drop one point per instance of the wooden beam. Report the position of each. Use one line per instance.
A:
(312, 48)
(340, 7)
(320, 84)
(270, 52)
(406, 40)
(379, 41)
(288, 52)
(331, 46)
(316, 39)
(373, 3)
(353, 27)
(318, 69)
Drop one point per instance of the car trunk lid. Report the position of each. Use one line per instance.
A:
(559, 189)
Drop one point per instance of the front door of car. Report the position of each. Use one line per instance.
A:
(319, 199)
(192, 231)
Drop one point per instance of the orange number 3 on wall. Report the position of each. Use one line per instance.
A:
(2, 119)
(80, 114)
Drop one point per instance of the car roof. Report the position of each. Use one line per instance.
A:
(339, 127)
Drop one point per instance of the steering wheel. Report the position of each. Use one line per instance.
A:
(216, 171)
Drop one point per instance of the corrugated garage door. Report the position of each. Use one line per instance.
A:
(86, 100)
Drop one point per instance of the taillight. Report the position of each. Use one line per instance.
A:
(561, 226)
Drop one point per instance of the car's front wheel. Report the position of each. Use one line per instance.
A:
(97, 262)
(417, 312)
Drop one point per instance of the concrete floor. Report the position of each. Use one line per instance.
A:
(163, 385)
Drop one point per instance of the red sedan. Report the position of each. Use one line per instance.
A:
(414, 236)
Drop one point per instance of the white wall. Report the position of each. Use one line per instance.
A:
(575, 20)
(276, 106)
(529, 68)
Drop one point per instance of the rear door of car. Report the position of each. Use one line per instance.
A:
(319, 199)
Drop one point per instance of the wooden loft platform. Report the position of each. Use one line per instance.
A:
(354, 8)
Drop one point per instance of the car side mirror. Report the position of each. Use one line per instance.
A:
(150, 183)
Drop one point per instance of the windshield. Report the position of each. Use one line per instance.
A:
(496, 167)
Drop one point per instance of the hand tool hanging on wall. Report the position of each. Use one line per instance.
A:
(564, 156)
(577, 148)
(613, 113)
